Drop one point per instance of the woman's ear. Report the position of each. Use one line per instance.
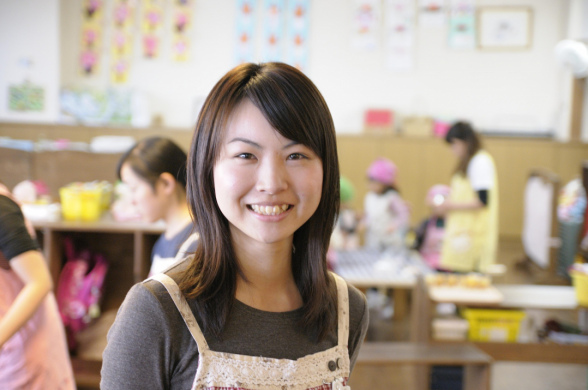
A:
(167, 183)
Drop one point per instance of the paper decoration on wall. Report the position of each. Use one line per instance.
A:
(96, 106)
(298, 24)
(122, 41)
(400, 26)
(366, 24)
(244, 31)
(26, 97)
(182, 17)
(273, 21)
(462, 24)
(432, 13)
(91, 36)
(152, 21)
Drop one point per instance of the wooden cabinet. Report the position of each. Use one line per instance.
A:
(127, 247)
(522, 297)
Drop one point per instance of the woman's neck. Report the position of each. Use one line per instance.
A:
(269, 283)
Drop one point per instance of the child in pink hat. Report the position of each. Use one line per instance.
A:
(387, 216)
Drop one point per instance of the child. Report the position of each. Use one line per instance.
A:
(155, 172)
(429, 234)
(255, 306)
(33, 348)
(387, 216)
(345, 235)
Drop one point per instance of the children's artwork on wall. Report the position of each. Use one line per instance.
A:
(182, 17)
(26, 97)
(91, 37)
(298, 24)
(501, 28)
(273, 21)
(462, 24)
(432, 13)
(366, 24)
(400, 26)
(244, 31)
(122, 41)
(152, 21)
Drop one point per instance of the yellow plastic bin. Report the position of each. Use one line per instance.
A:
(80, 203)
(580, 282)
(493, 325)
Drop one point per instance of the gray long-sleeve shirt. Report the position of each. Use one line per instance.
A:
(150, 347)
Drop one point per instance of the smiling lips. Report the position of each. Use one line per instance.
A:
(269, 210)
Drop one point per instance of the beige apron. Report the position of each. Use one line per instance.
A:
(326, 370)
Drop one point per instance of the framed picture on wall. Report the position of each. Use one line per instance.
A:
(505, 28)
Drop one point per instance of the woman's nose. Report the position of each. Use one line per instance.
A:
(272, 177)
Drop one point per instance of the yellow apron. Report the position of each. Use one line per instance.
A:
(471, 236)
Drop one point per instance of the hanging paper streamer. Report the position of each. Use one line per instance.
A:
(366, 24)
(91, 36)
(151, 27)
(274, 15)
(400, 31)
(26, 97)
(182, 17)
(298, 24)
(462, 24)
(122, 41)
(432, 13)
(244, 31)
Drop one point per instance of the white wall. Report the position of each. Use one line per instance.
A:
(29, 33)
(519, 91)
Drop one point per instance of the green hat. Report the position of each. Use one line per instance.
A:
(347, 190)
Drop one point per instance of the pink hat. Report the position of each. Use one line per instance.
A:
(383, 171)
(438, 189)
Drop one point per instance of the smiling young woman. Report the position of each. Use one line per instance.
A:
(255, 306)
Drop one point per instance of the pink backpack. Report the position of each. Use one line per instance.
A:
(79, 289)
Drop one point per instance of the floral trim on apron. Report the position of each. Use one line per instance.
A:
(326, 370)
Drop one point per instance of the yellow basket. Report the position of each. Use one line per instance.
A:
(580, 282)
(493, 325)
(80, 204)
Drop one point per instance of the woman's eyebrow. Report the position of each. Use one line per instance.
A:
(258, 146)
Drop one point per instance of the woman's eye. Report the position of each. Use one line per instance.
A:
(296, 156)
(246, 156)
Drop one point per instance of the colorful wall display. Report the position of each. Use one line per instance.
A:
(400, 33)
(182, 20)
(366, 24)
(273, 24)
(432, 13)
(121, 48)
(244, 31)
(298, 16)
(26, 97)
(91, 36)
(462, 24)
(152, 21)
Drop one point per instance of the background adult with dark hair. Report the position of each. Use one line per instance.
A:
(155, 171)
(471, 230)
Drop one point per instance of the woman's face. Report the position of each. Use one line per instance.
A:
(267, 186)
(150, 203)
(459, 148)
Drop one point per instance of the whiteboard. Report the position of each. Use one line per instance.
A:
(538, 219)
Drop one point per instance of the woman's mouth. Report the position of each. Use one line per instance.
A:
(269, 210)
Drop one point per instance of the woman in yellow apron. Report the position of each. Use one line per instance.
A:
(471, 235)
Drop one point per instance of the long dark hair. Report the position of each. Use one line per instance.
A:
(463, 131)
(152, 156)
(293, 105)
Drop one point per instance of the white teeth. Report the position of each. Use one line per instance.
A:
(269, 210)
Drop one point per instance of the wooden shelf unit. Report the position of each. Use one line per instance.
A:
(127, 247)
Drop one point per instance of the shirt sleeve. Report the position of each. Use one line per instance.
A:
(14, 236)
(358, 323)
(480, 172)
(137, 353)
(400, 209)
